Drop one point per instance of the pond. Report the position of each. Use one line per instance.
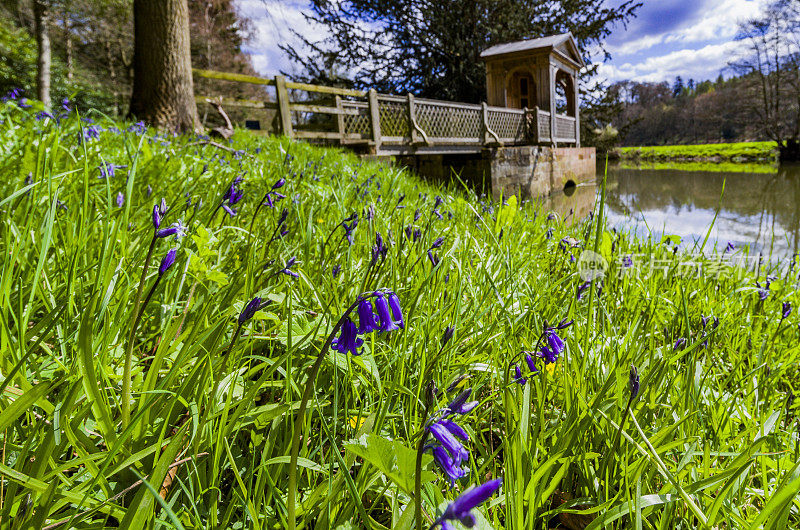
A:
(759, 211)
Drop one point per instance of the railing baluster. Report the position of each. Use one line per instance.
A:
(340, 119)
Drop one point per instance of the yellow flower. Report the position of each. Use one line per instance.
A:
(551, 368)
(356, 422)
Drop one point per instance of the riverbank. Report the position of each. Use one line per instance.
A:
(732, 152)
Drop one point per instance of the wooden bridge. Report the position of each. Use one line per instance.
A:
(385, 124)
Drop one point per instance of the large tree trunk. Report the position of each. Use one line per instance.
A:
(163, 93)
(41, 12)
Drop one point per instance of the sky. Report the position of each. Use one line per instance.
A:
(668, 38)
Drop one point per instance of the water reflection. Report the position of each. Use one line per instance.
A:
(759, 210)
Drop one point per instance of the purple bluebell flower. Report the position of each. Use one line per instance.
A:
(446, 462)
(44, 114)
(551, 216)
(518, 376)
(461, 508)
(443, 434)
(729, 248)
(12, 94)
(287, 269)
(380, 249)
(156, 217)
(449, 331)
(348, 229)
(120, 199)
(92, 132)
(549, 356)
(167, 261)
(65, 104)
(23, 103)
(549, 234)
(679, 344)
(397, 311)
(108, 169)
(177, 229)
(250, 309)
(438, 214)
(581, 288)
(763, 292)
(367, 321)
(336, 270)
(149, 191)
(348, 340)
(437, 201)
(704, 320)
(434, 258)
(138, 128)
(627, 262)
(417, 215)
(460, 405)
(385, 321)
(531, 363)
(633, 382)
(438, 243)
(554, 341)
(786, 310)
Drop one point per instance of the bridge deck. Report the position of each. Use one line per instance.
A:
(392, 125)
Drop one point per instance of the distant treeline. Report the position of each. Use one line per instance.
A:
(687, 112)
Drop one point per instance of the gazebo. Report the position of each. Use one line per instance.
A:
(538, 74)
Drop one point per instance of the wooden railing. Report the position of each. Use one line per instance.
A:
(389, 123)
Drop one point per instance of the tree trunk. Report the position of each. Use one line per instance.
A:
(41, 12)
(163, 92)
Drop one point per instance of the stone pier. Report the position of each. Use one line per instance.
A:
(529, 171)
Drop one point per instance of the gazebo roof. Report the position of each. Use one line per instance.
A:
(563, 43)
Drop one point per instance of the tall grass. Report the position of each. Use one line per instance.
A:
(711, 440)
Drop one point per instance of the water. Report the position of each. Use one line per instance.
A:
(758, 210)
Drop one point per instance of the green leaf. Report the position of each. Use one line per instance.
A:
(392, 458)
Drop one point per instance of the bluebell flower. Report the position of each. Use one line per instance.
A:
(336, 270)
(729, 248)
(461, 508)
(447, 464)
(447, 335)
(434, 258)
(581, 288)
(554, 341)
(176, 229)
(518, 376)
(531, 363)
(438, 243)
(367, 321)
(156, 217)
(438, 214)
(167, 262)
(437, 202)
(633, 382)
(549, 234)
(763, 292)
(23, 103)
(348, 340)
(149, 191)
(786, 310)
(627, 262)
(385, 321)
(380, 249)
(250, 309)
(397, 311)
(65, 105)
(417, 215)
(447, 439)
(348, 229)
(120, 199)
(92, 132)
(679, 344)
(287, 269)
(460, 405)
(138, 128)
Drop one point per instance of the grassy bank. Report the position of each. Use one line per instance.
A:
(146, 388)
(729, 167)
(734, 152)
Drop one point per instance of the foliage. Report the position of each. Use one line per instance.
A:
(741, 151)
(709, 438)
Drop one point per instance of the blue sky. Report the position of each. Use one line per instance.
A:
(690, 38)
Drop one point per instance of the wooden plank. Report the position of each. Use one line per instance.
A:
(316, 109)
(283, 105)
(325, 89)
(325, 135)
(375, 118)
(248, 103)
(237, 78)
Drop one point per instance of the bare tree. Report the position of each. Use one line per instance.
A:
(163, 90)
(770, 61)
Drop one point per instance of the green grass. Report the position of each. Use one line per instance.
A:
(722, 167)
(711, 439)
(737, 152)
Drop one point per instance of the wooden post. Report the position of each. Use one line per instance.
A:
(412, 120)
(535, 136)
(282, 96)
(553, 105)
(484, 123)
(340, 119)
(375, 119)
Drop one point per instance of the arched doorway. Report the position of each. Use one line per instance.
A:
(520, 90)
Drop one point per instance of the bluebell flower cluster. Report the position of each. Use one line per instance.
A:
(166, 262)
(448, 449)
(232, 196)
(386, 315)
(272, 195)
(348, 228)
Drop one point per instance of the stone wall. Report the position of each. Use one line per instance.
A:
(528, 171)
(537, 171)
